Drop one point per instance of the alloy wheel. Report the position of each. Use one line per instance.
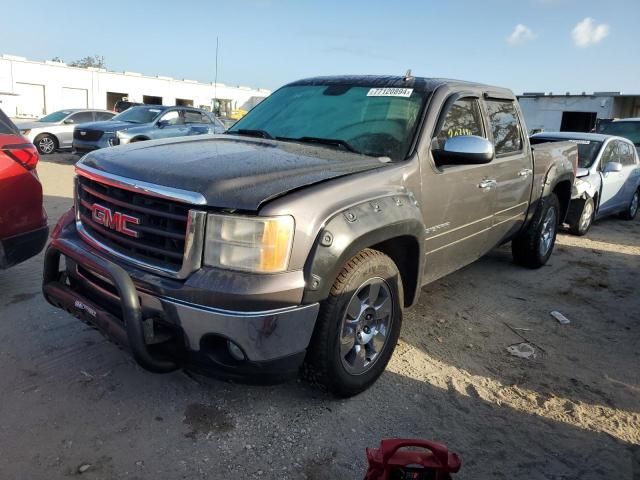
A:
(46, 145)
(365, 326)
(548, 233)
(587, 216)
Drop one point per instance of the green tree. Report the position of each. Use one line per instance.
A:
(96, 61)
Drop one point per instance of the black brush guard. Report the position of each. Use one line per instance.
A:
(128, 332)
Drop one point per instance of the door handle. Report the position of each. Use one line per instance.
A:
(487, 184)
(525, 172)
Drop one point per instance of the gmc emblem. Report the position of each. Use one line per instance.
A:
(117, 221)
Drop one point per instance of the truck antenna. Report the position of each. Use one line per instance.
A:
(408, 76)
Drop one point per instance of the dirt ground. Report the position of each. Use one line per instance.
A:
(72, 404)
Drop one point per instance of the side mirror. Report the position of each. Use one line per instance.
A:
(465, 150)
(162, 123)
(68, 121)
(612, 167)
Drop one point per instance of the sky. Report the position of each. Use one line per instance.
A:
(527, 45)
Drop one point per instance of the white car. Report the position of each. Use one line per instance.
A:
(607, 180)
(55, 131)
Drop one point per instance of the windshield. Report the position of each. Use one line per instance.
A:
(56, 116)
(372, 121)
(138, 115)
(628, 130)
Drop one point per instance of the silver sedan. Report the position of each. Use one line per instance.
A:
(607, 181)
(55, 131)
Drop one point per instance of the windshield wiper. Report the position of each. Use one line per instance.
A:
(333, 142)
(252, 133)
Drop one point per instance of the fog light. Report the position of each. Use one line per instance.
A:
(235, 351)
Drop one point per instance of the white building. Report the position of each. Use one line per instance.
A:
(31, 89)
(575, 113)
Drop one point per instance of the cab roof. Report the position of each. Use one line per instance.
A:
(419, 84)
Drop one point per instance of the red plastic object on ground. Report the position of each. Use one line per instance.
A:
(433, 462)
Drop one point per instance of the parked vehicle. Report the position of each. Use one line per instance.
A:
(23, 221)
(122, 105)
(55, 131)
(148, 122)
(607, 180)
(628, 128)
(303, 233)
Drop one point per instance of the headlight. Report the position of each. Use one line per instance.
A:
(25, 132)
(254, 244)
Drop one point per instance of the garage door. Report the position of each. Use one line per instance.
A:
(30, 101)
(74, 97)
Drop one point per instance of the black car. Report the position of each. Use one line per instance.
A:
(122, 105)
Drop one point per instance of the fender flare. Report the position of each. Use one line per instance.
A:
(358, 227)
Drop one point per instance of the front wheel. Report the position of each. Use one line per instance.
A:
(582, 223)
(45, 144)
(358, 325)
(533, 247)
(632, 210)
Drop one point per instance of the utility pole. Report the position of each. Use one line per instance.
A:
(215, 82)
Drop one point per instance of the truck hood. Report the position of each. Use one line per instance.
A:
(231, 172)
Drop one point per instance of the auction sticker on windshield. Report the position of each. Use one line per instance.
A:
(390, 92)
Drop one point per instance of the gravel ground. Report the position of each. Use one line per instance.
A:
(72, 404)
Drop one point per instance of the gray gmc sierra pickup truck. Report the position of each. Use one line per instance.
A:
(295, 241)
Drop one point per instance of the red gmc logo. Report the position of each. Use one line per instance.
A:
(117, 221)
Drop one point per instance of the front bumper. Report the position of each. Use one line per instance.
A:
(164, 333)
(21, 247)
(83, 146)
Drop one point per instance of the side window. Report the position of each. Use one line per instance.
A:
(463, 118)
(81, 117)
(609, 154)
(626, 154)
(192, 116)
(171, 118)
(505, 126)
(104, 116)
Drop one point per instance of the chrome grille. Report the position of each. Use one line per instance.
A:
(86, 134)
(168, 236)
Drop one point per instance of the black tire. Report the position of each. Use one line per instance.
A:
(584, 214)
(527, 247)
(46, 143)
(324, 364)
(632, 209)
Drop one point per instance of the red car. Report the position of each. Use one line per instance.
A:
(23, 221)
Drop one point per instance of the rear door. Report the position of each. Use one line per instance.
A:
(612, 198)
(197, 122)
(512, 167)
(457, 206)
(630, 171)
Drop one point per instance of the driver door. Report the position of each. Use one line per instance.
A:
(612, 197)
(170, 124)
(65, 136)
(458, 199)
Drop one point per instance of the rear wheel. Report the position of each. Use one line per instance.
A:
(533, 247)
(632, 210)
(45, 144)
(581, 224)
(358, 325)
